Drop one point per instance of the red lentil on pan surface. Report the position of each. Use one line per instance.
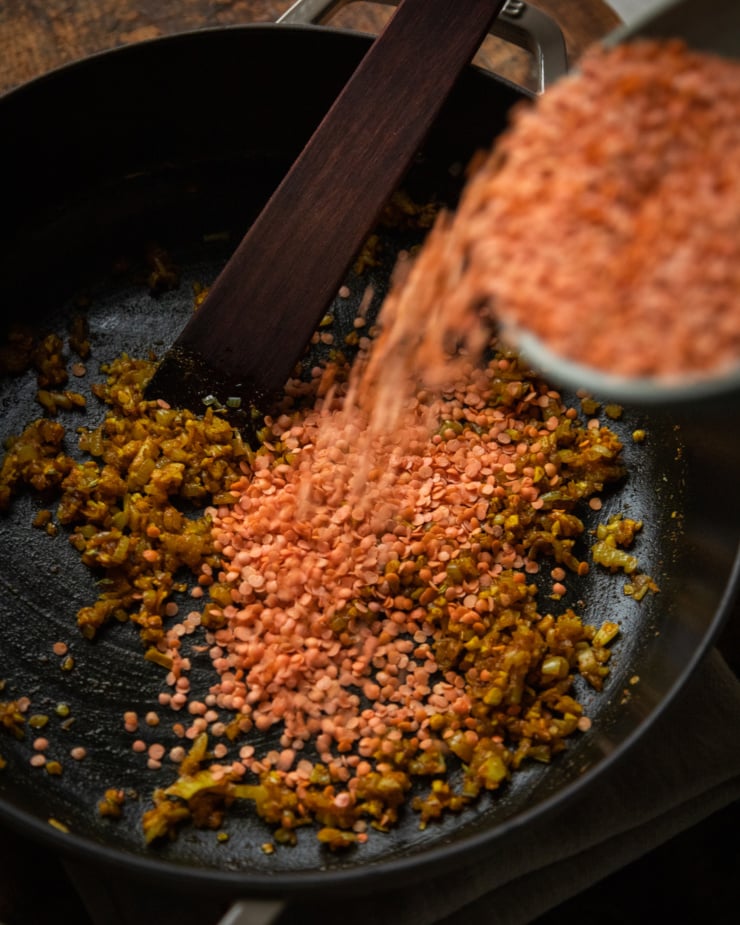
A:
(369, 596)
(606, 221)
(377, 610)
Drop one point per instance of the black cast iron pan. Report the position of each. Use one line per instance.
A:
(132, 147)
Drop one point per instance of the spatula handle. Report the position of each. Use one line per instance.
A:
(266, 303)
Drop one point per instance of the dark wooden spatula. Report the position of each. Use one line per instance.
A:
(246, 338)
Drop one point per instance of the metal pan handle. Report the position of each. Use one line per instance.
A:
(519, 23)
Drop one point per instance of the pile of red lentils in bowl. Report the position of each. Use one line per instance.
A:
(605, 222)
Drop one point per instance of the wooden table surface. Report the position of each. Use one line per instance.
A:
(38, 35)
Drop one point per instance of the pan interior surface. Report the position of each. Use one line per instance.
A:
(167, 162)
